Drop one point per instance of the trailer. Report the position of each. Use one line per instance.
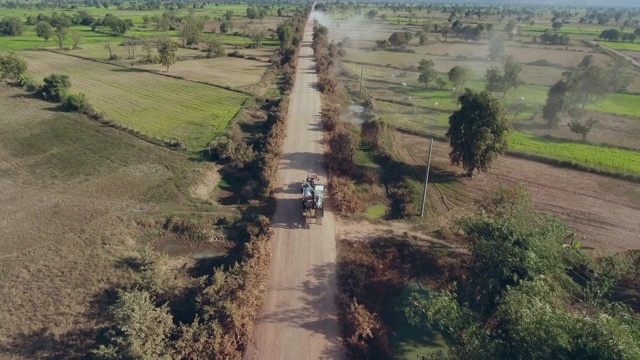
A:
(312, 198)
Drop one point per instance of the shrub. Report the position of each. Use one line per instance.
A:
(75, 102)
(55, 87)
(236, 53)
(343, 195)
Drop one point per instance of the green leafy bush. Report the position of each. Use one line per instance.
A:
(55, 87)
(75, 102)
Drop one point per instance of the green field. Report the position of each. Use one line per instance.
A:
(619, 104)
(620, 45)
(29, 40)
(155, 105)
(599, 157)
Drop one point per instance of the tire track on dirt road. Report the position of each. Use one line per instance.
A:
(299, 316)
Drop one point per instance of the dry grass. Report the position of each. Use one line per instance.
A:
(156, 105)
(226, 71)
(72, 193)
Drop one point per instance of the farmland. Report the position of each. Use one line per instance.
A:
(73, 194)
(156, 105)
(29, 40)
(606, 158)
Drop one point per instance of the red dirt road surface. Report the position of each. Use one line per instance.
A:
(299, 318)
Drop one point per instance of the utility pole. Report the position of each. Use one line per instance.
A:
(426, 180)
(361, 74)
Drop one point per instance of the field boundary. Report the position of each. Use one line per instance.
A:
(151, 72)
(611, 51)
(535, 157)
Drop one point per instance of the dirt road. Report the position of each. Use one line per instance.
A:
(299, 317)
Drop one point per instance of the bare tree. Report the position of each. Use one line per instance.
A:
(108, 47)
(76, 36)
(130, 45)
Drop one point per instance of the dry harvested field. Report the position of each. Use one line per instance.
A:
(474, 56)
(72, 194)
(156, 105)
(226, 71)
(98, 52)
(603, 210)
(633, 54)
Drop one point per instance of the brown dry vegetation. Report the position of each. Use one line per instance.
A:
(75, 196)
(374, 271)
(225, 71)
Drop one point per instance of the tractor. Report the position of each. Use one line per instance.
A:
(312, 198)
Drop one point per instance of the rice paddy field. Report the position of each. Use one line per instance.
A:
(599, 157)
(153, 104)
(635, 46)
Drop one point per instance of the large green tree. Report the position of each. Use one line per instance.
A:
(428, 73)
(478, 131)
(191, 31)
(44, 30)
(11, 26)
(458, 75)
(556, 98)
(167, 52)
(588, 83)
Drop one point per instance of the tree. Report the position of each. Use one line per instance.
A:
(12, 66)
(610, 35)
(229, 14)
(191, 31)
(130, 45)
(400, 39)
(588, 83)
(60, 35)
(167, 52)
(214, 47)
(557, 25)
(108, 47)
(371, 15)
(427, 72)
(44, 30)
(11, 26)
(143, 330)
(478, 131)
(252, 13)
(226, 27)
(55, 87)
(423, 37)
(620, 74)
(76, 36)
(555, 103)
(343, 146)
(511, 77)
(496, 47)
(257, 36)
(582, 128)
(501, 83)
(458, 75)
(118, 26)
